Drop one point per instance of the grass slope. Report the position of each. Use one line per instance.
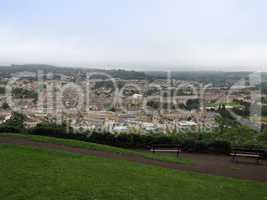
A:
(33, 174)
(100, 147)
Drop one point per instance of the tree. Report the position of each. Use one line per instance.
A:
(5, 106)
(14, 124)
(192, 104)
(263, 136)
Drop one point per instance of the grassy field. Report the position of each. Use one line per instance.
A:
(33, 174)
(99, 147)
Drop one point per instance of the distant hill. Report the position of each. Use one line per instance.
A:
(215, 77)
(122, 74)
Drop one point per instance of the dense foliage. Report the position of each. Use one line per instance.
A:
(24, 93)
(2, 90)
(220, 140)
(14, 124)
(5, 106)
(217, 141)
(51, 128)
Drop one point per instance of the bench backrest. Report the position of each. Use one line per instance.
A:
(248, 151)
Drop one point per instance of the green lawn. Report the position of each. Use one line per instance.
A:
(99, 147)
(31, 174)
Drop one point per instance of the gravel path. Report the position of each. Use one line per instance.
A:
(204, 163)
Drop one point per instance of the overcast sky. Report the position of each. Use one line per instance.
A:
(136, 34)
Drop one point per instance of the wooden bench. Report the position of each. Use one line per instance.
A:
(247, 153)
(166, 148)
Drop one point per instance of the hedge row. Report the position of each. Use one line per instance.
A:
(137, 140)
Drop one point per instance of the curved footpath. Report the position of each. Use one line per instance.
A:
(208, 164)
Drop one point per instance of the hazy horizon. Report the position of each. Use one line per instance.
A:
(152, 35)
(136, 68)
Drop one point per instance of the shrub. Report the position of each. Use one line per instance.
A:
(14, 124)
(220, 147)
(188, 142)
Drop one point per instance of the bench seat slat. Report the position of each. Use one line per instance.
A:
(245, 155)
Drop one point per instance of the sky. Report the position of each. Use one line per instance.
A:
(136, 34)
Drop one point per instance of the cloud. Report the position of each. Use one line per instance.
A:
(150, 53)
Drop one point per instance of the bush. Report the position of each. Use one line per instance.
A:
(191, 144)
(5, 106)
(220, 147)
(50, 129)
(14, 124)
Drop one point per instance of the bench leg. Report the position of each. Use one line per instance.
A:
(260, 161)
(233, 158)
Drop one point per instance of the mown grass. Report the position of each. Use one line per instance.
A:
(99, 147)
(34, 174)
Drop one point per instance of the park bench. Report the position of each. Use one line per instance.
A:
(256, 154)
(166, 148)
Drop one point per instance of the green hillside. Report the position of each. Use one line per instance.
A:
(32, 174)
(100, 147)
